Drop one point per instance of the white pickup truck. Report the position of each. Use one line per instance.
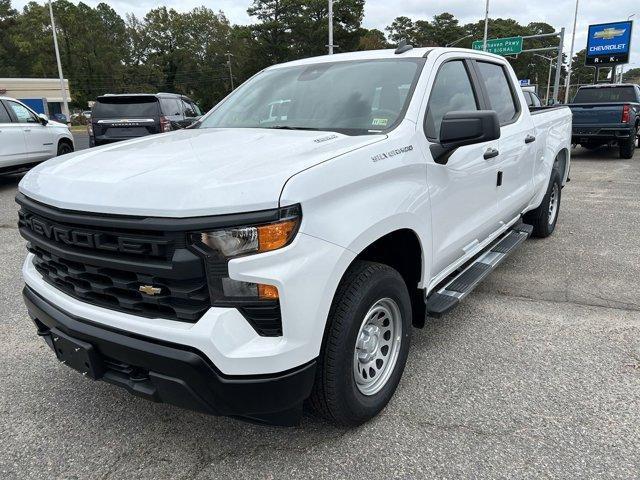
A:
(264, 259)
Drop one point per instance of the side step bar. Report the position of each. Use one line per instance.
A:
(448, 296)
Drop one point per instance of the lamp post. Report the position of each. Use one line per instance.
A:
(63, 88)
(330, 27)
(546, 97)
(457, 41)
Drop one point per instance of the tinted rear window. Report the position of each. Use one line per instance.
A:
(121, 107)
(605, 95)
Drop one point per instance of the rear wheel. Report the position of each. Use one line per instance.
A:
(64, 148)
(544, 218)
(365, 347)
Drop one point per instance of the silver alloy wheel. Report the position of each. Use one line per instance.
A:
(377, 346)
(553, 203)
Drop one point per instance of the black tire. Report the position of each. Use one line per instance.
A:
(540, 218)
(336, 396)
(628, 146)
(64, 148)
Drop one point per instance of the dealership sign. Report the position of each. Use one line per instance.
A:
(608, 43)
(500, 46)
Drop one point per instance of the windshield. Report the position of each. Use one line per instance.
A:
(605, 95)
(125, 107)
(355, 97)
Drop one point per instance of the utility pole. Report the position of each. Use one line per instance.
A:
(486, 26)
(63, 88)
(573, 39)
(330, 27)
(229, 55)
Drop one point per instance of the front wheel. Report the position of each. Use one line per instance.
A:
(365, 347)
(544, 218)
(64, 148)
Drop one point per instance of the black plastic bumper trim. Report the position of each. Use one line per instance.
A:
(179, 375)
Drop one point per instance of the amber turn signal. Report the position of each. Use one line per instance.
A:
(275, 235)
(267, 292)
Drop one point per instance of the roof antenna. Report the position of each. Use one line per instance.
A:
(403, 46)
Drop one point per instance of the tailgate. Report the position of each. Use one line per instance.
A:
(597, 114)
(120, 128)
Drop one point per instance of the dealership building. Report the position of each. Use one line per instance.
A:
(43, 95)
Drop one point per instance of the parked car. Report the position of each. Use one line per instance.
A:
(264, 259)
(27, 138)
(123, 117)
(607, 114)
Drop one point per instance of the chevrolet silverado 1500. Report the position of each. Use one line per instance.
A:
(279, 252)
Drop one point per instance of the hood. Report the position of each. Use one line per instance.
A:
(192, 172)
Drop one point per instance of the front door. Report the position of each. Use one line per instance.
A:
(38, 137)
(463, 191)
(13, 150)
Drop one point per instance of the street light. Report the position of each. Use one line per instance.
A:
(457, 41)
(486, 26)
(546, 98)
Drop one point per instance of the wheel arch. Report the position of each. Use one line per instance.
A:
(402, 250)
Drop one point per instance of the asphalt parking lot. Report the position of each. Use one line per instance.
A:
(535, 375)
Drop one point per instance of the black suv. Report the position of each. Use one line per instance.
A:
(126, 116)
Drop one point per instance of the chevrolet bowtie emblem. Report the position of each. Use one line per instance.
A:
(149, 289)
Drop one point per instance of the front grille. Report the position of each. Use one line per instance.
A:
(119, 289)
(107, 265)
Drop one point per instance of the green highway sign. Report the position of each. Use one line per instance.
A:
(501, 46)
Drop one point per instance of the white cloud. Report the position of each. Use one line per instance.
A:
(380, 13)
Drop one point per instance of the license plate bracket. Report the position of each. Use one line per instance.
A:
(79, 355)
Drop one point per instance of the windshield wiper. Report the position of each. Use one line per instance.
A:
(288, 127)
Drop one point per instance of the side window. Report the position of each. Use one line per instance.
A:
(170, 106)
(452, 91)
(499, 90)
(528, 98)
(188, 109)
(4, 115)
(23, 113)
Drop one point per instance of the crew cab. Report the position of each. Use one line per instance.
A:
(271, 257)
(27, 138)
(607, 114)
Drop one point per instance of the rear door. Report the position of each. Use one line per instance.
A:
(462, 192)
(125, 117)
(38, 138)
(514, 181)
(13, 148)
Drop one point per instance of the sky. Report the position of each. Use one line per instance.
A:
(380, 13)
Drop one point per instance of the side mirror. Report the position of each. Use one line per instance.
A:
(43, 118)
(464, 128)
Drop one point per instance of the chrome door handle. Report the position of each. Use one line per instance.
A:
(490, 153)
(27, 130)
(529, 139)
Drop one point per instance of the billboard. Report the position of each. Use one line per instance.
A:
(608, 43)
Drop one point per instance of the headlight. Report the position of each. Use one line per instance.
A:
(245, 240)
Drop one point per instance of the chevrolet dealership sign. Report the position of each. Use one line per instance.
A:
(608, 43)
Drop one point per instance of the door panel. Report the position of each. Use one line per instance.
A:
(38, 138)
(13, 150)
(516, 157)
(463, 203)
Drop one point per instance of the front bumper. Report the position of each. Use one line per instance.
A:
(178, 375)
